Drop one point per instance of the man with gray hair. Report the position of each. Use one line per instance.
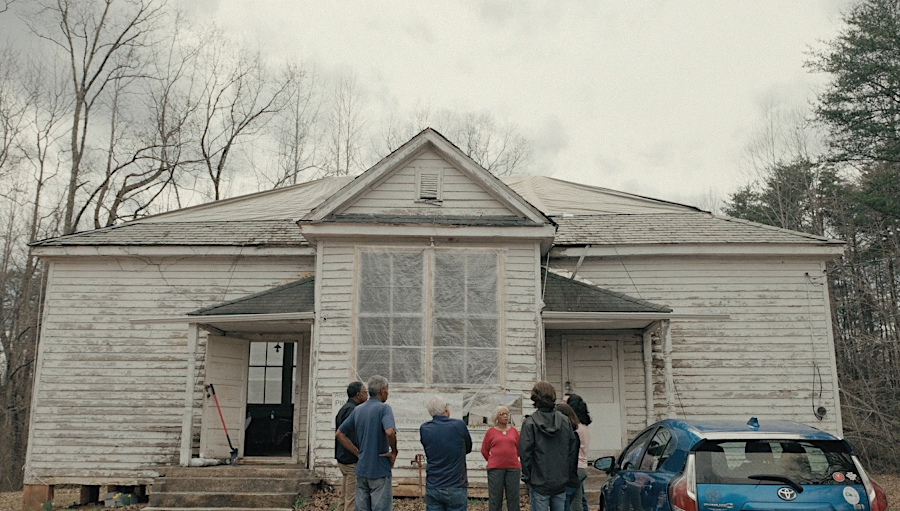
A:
(446, 442)
(373, 423)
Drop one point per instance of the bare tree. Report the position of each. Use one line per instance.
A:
(13, 105)
(103, 42)
(294, 131)
(499, 148)
(343, 132)
(148, 147)
(240, 96)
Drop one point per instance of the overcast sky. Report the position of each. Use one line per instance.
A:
(657, 98)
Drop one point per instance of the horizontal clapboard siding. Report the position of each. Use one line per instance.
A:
(772, 358)
(335, 348)
(397, 194)
(109, 399)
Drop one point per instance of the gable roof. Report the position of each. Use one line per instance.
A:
(427, 139)
(297, 296)
(586, 215)
(563, 294)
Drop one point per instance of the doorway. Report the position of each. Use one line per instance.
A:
(271, 377)
(590, 368)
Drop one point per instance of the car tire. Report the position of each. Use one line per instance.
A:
(602, 503)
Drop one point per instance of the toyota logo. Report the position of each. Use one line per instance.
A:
(787, 493)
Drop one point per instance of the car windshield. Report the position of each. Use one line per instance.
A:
(801, 461)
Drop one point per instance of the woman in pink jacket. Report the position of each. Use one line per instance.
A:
(501, 450)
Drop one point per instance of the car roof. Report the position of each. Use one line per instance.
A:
(729, 429)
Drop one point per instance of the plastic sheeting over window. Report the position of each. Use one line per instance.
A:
(464, 319)
(391, 340)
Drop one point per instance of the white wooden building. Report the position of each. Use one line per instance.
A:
(441, 277)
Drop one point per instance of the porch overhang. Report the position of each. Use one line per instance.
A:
(274, 323)
(565, 320)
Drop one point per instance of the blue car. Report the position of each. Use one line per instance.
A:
(684, 465)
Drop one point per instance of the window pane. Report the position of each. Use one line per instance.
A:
(374, 331)
(482, 283)
(448, 366)
(273, 385)
(482, 333)
(373, 361)
(407, 283)
(258, 353)
(481, 366)
(449, 332)
(375, 282)
(408, 332)
(449, 282)
(408, 365)
(274, 354)
(255, 384)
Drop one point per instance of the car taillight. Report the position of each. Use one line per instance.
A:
(877, 497)
(683, 489)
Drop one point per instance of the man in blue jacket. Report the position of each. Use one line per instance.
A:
(446, 442)
(373, 422)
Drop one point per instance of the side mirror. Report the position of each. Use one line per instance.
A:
(605, 464)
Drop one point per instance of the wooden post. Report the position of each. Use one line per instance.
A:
(648, 371)
(34, 496)
(187, 421)
(666, 336)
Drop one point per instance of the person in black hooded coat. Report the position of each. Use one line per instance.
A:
(547, 445)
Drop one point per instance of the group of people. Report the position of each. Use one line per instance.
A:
(549, 454)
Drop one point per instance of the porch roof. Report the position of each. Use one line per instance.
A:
(563, 294)
(297, 296)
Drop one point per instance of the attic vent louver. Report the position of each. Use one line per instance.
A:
(429, 185)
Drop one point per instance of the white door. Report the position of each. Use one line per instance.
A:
(226, 368)
(591, 370)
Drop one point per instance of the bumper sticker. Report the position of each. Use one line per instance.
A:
(851, 495)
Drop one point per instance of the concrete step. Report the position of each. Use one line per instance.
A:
(237, 471)
(194, 500)
(231, 487)
(305, 486)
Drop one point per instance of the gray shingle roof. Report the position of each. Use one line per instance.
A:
(227, 233)
(298, 296)
(589, 216)
(562, 294)
(671, 228)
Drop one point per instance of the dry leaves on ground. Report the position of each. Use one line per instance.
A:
(327, 500)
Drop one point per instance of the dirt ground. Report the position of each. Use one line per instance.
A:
(66, 497)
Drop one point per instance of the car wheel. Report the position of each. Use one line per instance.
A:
(602, 503)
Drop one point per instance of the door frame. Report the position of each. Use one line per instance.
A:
(618, 346)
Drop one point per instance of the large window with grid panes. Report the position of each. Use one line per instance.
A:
(429, 316)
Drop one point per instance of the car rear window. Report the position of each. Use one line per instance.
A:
(802, 461)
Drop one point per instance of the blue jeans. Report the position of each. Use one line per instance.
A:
(547, 502)
(373, 494)
(446, 499)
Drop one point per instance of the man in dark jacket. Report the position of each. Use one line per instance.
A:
(356, 394)
(546, 444)
(446, 442)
